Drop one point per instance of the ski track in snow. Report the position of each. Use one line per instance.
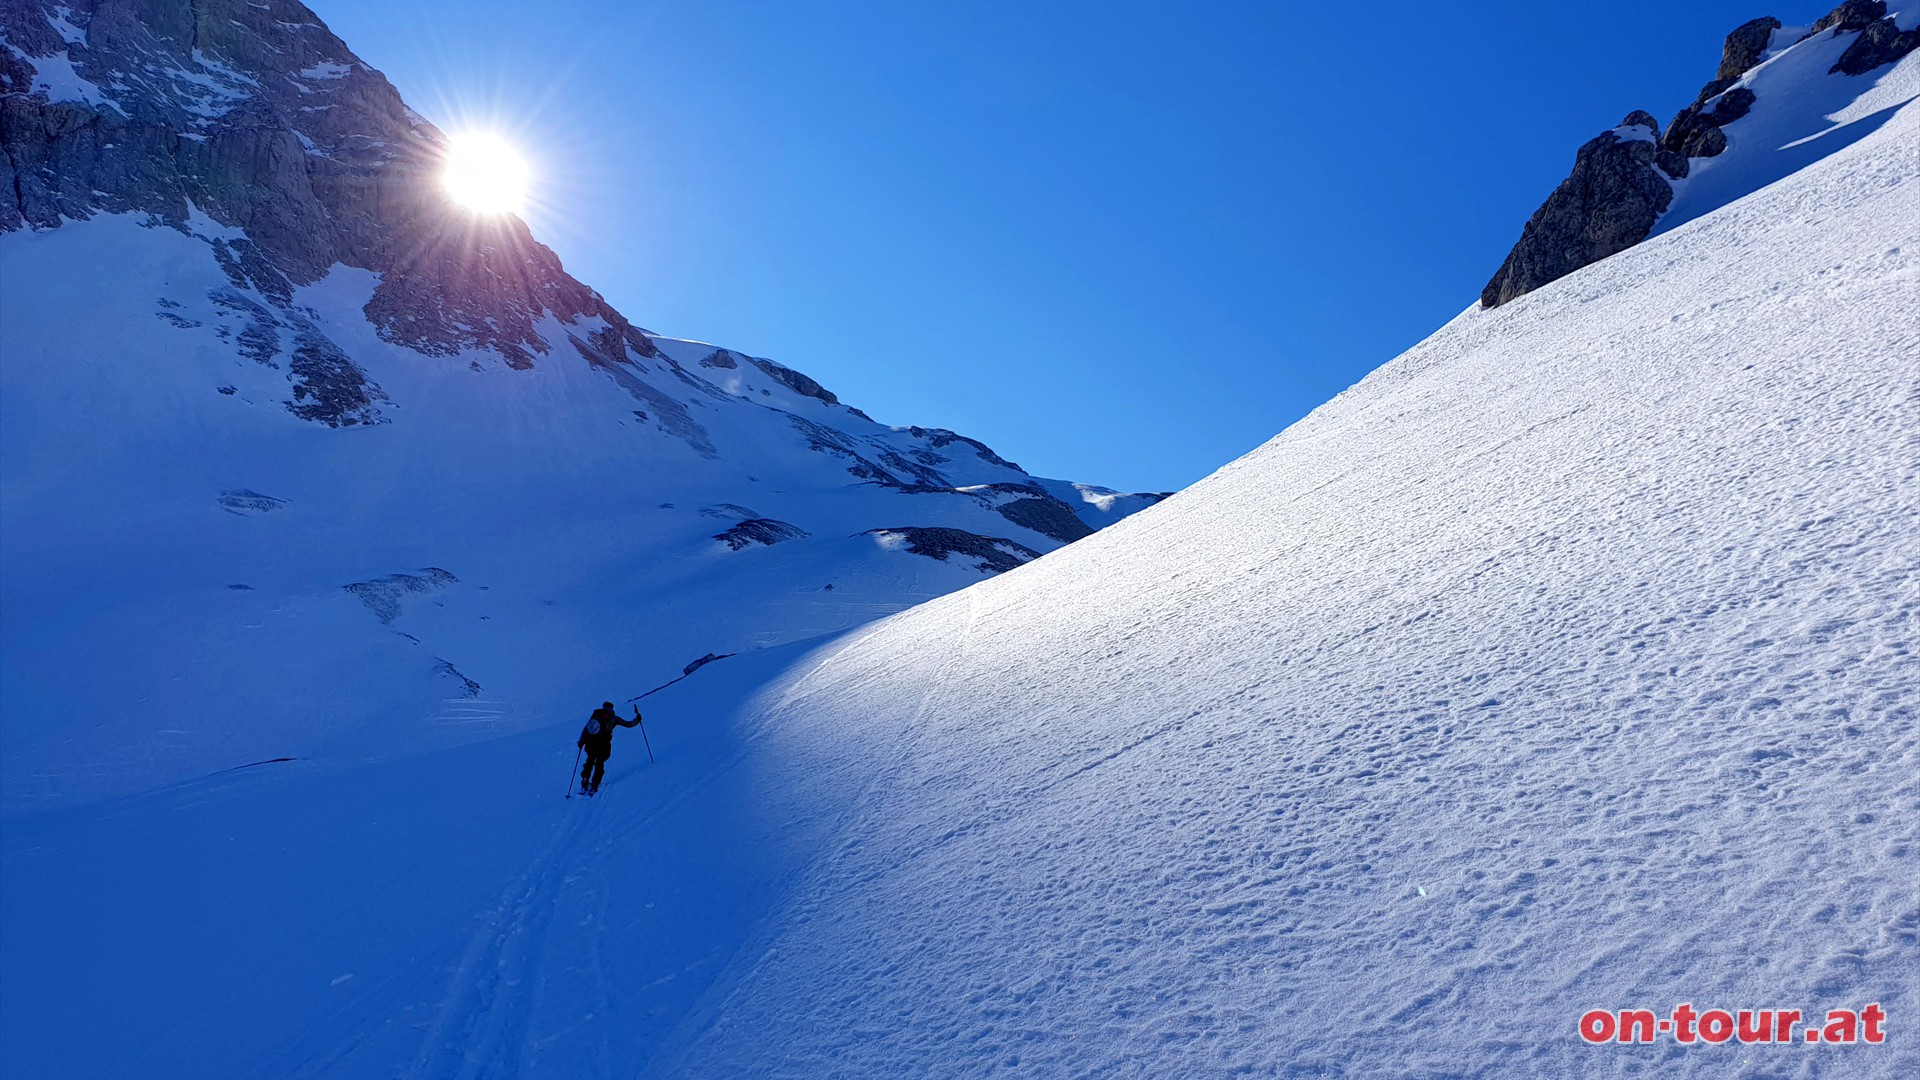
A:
(482, 1025)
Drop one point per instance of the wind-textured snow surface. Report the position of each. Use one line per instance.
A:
(1565, 662)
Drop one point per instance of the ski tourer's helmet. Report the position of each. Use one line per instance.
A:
(606, 704)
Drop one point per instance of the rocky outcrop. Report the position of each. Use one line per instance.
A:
(328, 387)
(939, 438)
(1695, 133)
(383, 595)
(1879, 43)
(1608, 204)
(794, 381)
(1047, 516)
(990, 554)
(244, 501)
(1851, 15)
(696, 665)
(765, 531)
(1620, 183)
(1745, 47)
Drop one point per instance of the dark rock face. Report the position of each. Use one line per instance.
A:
(1047, 516)
(1879, 43)
(1619, 186)
(1733, 105)
(383, 595)
(794, 381)
(243, 501)
(1852, 15)
(941, 437)
(759, 531)
(991, 554)
(1745, 46)
(468, 687)
(1030, 507)
(254, 112)
(1609, 204)
(1695, 133)
(329, 388)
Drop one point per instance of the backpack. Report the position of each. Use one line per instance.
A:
(598, 731)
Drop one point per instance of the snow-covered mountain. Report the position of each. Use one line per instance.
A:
(1565, 662)
(298, 458)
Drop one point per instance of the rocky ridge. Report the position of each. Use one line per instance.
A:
(1623, 179)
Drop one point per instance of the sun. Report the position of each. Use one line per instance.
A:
(485, 174)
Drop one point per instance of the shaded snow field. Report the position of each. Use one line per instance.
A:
(1565, 662)
(189, 575)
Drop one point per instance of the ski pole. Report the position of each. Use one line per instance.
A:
(576, 768)
(643, 734)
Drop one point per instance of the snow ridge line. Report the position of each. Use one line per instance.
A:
(753, 954)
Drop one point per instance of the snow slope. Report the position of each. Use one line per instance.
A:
(187, 566)
(1564, 662)
(1561, 663)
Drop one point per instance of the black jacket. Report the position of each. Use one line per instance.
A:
(597, 737)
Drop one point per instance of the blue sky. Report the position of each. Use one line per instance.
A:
(1120, 242)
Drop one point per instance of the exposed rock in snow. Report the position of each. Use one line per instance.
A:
(1695, 132)
(794, 381)
(1880, 42)
(696, 665)
(467, 686)
(1850, 15)
(1618, 192)
(991, 554)
(328, 387)
(1609, 204)
(383, 596)
(1745, 47)
(242, 501)
(765, 531)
